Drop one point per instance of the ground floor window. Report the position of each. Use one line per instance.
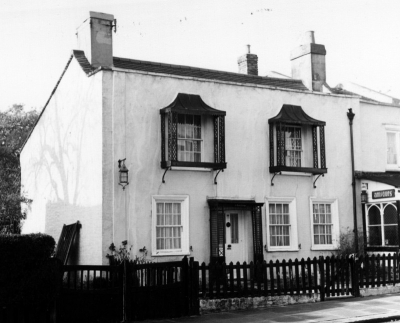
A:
(170, 222)
(324, 224)
(382, 224)
(281, 224)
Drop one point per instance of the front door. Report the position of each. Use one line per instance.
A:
(236, 245)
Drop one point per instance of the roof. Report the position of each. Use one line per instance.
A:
(191, 104)
(83, 61)
(294, 114)
(187, 71)
(390, 178)
(339, 90)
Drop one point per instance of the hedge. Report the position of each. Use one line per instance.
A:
(28, 274)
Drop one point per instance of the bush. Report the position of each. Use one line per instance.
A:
(28, 274)
(347, 245)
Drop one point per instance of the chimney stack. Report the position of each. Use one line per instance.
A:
(308, 63)
(95, 39)
(248, 63)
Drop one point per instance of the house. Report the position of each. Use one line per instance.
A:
(222, 166)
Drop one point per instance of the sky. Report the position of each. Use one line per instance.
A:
(361, 37)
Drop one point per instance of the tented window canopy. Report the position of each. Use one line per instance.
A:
(290, 145)
(185, 141)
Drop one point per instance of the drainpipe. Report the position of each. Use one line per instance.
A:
(351, 115)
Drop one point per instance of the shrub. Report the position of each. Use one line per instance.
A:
(28, 274)
(118, 256)
(347, 245)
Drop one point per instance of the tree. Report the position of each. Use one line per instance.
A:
(15, 126)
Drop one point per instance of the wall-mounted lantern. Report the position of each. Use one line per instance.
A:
(364, 193)
(123, 173)
(364, 197)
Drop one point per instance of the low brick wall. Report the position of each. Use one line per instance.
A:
(244, 303)
(373, 291)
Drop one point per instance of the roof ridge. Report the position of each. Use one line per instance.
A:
(206, 70)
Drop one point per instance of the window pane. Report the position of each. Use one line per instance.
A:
(374, 215)
(285, 208)
(390, 215)
(391, 235)
(181, 126)
(391, 148)
(375, 236)
(272, 218)
(272, 208)
(278, 208)
(234, 228)
(322, 208)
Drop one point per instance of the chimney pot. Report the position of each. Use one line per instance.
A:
(248, 63)
(309, 37)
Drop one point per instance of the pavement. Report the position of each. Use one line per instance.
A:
(382, 308)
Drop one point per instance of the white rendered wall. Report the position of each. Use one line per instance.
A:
(61, 164)
(137, 99)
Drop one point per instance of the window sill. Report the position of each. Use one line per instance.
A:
(201, 165)
(167, 254)
(195, 169)
(382, 248)
(308, 170)
(296, 174)
(392, 168)
(281, 250)
(324, 247)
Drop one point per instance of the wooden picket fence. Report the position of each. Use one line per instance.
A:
(329, 277)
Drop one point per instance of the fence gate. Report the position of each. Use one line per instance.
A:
(162, 290)
(338, 277)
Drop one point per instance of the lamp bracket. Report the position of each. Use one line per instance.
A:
(123, 185)
(272, 180)
(165, 173)
(121, 161)
(317, 179)
(215, 178)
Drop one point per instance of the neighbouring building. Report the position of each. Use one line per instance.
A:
(222, 166)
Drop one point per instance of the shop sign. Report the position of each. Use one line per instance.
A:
(385, 194)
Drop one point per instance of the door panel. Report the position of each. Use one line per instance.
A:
(236, 238)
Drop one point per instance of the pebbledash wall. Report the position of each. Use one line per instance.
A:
(136, 100)
(62, 164)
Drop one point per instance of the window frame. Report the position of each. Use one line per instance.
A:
(184, 200)
(335, 223)
(302, 133)
(381, 207)
(200, 140)
(396, 131)
(294, 245)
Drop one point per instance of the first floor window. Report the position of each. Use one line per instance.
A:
(189, 138)
(281, 224)
(392, 147)
(324, 223)
(293, 146)
(382, 223)
(170, 225)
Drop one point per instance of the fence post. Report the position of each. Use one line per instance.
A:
(124, 292)
(195, 289)
(355, 275)
(185, 285)
(322, 278)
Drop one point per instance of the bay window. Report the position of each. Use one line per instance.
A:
(296, 142)
(192, 134)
